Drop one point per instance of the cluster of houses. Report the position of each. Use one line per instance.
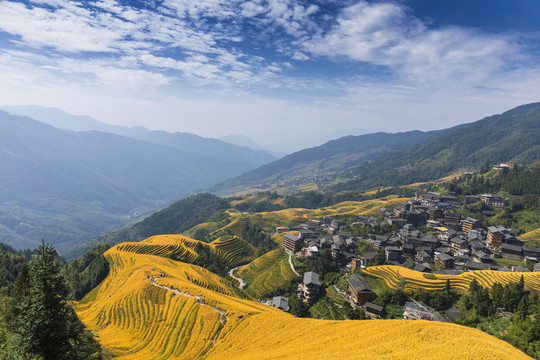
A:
(434, 209)
(315, 236)
(460, 244)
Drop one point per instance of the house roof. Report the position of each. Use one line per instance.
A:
(359, 284)
(372, 306)
(291, 237)
(514, 248)
(421, 268)
(473, 265)
(281, 303)
(531, 249)
(311, 277)
(453, 313)
(369, 255)
(444, 257)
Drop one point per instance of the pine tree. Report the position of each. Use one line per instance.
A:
(48, 326)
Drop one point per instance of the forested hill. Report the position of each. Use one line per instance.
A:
(513, 137)
(175, 219)
(333, 156)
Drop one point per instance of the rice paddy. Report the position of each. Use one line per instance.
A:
(399, 277)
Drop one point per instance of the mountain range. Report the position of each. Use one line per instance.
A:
(68, 187)
(510, 137)
(369, 161)
(330, 158)
(191, 143)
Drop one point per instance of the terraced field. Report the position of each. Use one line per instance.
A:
(400, 277)
(269, 220)
(532, 238)
(135, 319)
(232, 251)
(266, 273)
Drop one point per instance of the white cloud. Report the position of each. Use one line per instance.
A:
(108, 58)
(300, 56)
(384, 34)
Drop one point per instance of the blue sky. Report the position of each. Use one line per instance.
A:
(275, 70)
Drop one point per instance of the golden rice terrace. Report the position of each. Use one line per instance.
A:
(153, 307)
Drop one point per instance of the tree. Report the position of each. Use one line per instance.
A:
(298, 307)
(47, 324)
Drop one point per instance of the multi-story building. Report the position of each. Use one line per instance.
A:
(292, 243)
(308, 291)
(471, 224)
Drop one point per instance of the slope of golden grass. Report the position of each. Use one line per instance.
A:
(232, 251)
(531, 235)
(400, 277)
(137, 319)
(368, 207)
(266, 273)
(272, 219)
(278, 336)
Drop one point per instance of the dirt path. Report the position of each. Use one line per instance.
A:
(200, 300)
(242, 284)
(292, 266)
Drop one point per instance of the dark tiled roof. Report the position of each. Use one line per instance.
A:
(359, 284)
(311, 277)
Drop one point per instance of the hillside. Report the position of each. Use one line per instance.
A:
(207, 211)
(334, 156)
(156, 308)
(68, 187)
(190, 143)
(511, 137)
(174, 219)
(400, 277)
(266, 273)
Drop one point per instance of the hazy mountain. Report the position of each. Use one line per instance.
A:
(68, 187)
(213, 148)
(331, 157)
(242, 140)
(308, 139)
(511, 137)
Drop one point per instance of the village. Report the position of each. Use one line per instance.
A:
(451, 245)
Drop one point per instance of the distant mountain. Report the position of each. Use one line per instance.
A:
(308, 139)
(329, 158)
(68, 187)
(511, 137)
(213, 148)
(242, 140)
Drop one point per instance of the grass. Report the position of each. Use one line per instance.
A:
(509, 262)
(267, 273)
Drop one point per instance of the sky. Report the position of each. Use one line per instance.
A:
(274, 70)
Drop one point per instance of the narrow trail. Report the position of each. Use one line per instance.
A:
(222, 313)
(292, 266)
(242, 284)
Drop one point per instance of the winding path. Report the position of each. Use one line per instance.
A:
(200, 301)
(242, 284)
(292, 266)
